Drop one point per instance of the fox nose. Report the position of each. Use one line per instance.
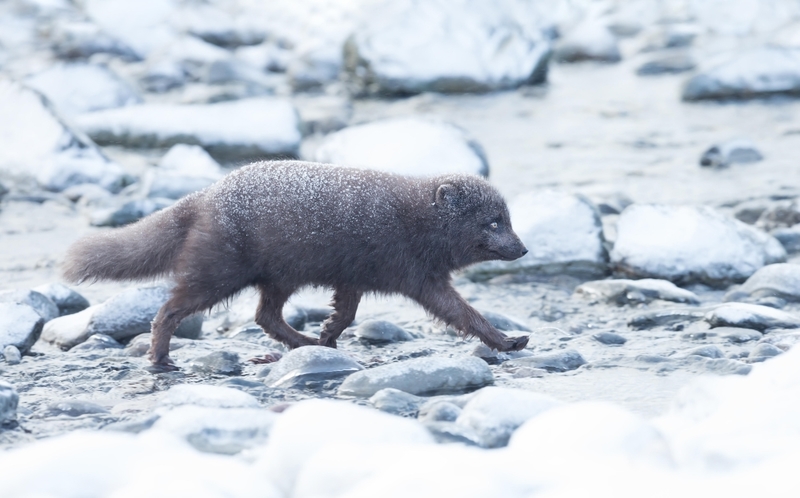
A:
(524, 251)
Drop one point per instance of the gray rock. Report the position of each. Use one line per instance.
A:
(20, 326)
(589, 41)
(323, 113)
(71, 408)
(9, 399)
(653, 358)
(82, 39)
(309, 366)
(12, 355)
(622, 291)
(707, 352)
(559, 361)
(609, 338)
(779, 280)
(789, 238)
(43, 305)
(731, 152)
(381, 332)
(504, 322)
(162, 76)
(783, 339)
(719, 366)
(738, 335)
(420, 376)
(67, 300)
(751, 316)
(218, 363)
(494, 357)
(784, 214)
(688, 244)
(253, 387)
(670, 64)
(657, 318)
(207, 396)
(672, 36)
(748, 74)
(97, 342)
(441, 412)
(763, 351)
(494, 413)
(128, 213)
(314, 68)
(396, 402)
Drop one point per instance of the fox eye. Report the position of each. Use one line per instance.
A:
(493, 225)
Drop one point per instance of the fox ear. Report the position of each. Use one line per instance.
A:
(446, 195)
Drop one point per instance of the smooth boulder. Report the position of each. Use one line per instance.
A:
(591, 40)
(310, 365)
(738, 151)
(780, 280)
(43, 305)
(381, 332)
(20, 326)
(624, 291)
(688, 244)
(751, 316)
(67, 300)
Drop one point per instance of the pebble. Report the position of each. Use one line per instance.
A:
(441, 412)
(559, 361)
(609, 338)
(738, 335)
(43, 305)
(752, 316)
(707, 352)
(381, 332)
(494, 413)
(12, 355)
(495, 357)
(309, 366)
(731, 152)
(623, 291)
(67, 300)
(207, 396)
(420, 376)
(71, 408)
(218, 363)
(764, 351)
(589, 41)
(97, 342)
(656, 318)
(9, 399)
(20, 326)
(396, 402)
(780, 280)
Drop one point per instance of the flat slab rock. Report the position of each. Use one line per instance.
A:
(420, 376)
(687, 244)
(310, 365)
(752, 316)
(407, 146)
(563, 234)
(780, 280)
(624, 291)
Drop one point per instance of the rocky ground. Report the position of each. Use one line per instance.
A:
(652, 173)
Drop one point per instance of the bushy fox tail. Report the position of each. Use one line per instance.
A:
(145, 249)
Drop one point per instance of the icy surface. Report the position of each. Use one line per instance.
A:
(409, 146)
(690, 244)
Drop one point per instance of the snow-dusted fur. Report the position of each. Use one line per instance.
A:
(284, 225)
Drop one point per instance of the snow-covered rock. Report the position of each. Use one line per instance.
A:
(12, 355)
(183, 169)
(589, 41)
(207, 396)
(39, 144)
(82, 39)
(78, 88)
(731, 152)
(143, 26)
(43, 305)
(623, 291)
(781, 280)
(128, 212)
(666, 64)
(748, 74)
(20, 326)
(751, 316)
(309, 365)
(420, 376)
(562, 232)
(448, 46)
(409, 146)
(687, 244)
(67, 300)
(238, 130)
(9, 399)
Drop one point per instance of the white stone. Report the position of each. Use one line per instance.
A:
(690, 244)
(183, 169)
(43, 305)
(407, 146)
(590, 40)
(780, 280)
(207, 396)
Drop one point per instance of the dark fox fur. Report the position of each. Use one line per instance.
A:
(284, 225)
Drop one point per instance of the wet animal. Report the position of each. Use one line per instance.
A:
(280, 226)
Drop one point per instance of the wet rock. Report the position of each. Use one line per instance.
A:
(396, 402)
(409, 48)
(82, 39)
(657, 318)
(55, 154)
(97, 342)
(309, 366)
(687, 244)
(763, 351)
(207, 396)
(255, 128)
(43, 305)
(780, 280)
(669, 64)
(559, 361)
(128, 213)
(707, 352)
(731, 152)
(9, 399)
(226, 431)
(441, 412)
(494, 357)
(79, 88)
(20, 326)
(748, 74)
(504, 323)
(420, 376)
(409, 146)
(738, 335)
(622, 291)
(494, 413)
(71, 408)
(12, 355)
(589, 41)
(562, 232)
(789, 238)
(751, 316)
(381, 332)
(609, 338)
(67, 300)
(218, 363)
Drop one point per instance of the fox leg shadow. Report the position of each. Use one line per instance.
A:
(445, 303)
(345, 303)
